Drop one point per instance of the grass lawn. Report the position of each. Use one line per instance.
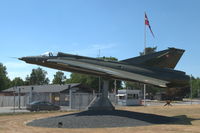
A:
(189, 121)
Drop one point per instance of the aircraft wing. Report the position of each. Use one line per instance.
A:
(111, 72)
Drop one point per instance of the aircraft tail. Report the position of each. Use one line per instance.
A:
(163, 59)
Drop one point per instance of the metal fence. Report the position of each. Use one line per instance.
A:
(11, 101)
(82, 100)
(78, 101)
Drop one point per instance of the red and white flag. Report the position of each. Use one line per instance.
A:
(146, 22)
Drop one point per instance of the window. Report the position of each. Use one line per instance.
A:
(130, 96)
(122, 97)
(48, 54)
(136, 96)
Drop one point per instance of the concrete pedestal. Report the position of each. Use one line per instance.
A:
(102, 102)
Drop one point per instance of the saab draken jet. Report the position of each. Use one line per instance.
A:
(156, 68)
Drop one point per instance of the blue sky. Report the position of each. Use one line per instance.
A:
(116, 27)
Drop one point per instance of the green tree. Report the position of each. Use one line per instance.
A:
(59, 78)
(90, 81)
(27, 80)
(37, 77)
(108, 58)
(133, 85)
(177, 93)
(4, 80)
(17, 82)
(149, 50)
(195, 84)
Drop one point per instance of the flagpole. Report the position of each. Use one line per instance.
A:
(191, 89)
(144, 54)
(144, 38)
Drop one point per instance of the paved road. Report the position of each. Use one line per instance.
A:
(12, 110)
(160, 103)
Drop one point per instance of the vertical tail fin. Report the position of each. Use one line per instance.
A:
(163, 59)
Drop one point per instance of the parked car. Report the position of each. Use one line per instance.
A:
(42, 105)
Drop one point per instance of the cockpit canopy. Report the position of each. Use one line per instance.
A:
(49, 54)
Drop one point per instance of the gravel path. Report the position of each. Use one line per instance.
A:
(102, 119)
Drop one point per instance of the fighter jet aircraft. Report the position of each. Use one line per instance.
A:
(155, 68)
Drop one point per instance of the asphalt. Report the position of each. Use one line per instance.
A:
(7, 110)
(102, 119)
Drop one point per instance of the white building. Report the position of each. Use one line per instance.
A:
(129, 97)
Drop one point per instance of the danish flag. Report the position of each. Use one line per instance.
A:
(146, 21)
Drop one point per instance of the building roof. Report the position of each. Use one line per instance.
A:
(43, 88)
(127, 91)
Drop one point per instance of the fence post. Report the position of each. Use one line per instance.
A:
(31, 95)
(70, 99)
(14, 98)
(19, 98)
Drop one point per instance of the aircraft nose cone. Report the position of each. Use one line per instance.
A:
(33, 59)
(22, 58)
(27, 59)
